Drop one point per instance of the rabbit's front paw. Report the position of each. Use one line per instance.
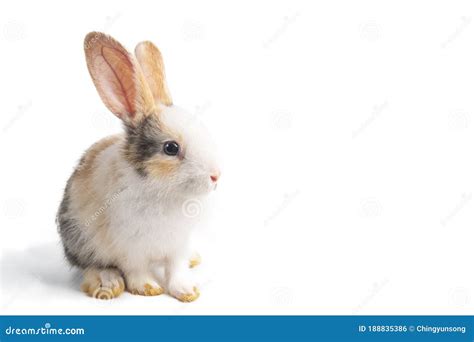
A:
(143, 286)
(191, 296)
(103, 284)
(183, 290)
(195, 260)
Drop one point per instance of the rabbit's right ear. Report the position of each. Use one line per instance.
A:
(118, 78)
(153, 67)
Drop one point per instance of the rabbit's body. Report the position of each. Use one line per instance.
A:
(125, 208)
(144, 228)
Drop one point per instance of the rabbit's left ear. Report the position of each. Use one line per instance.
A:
(151, 63)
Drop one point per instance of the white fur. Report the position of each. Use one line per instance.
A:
(149, 220)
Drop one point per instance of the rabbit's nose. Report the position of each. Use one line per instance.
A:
(215, 177)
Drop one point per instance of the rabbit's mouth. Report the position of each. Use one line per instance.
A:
(197, 186)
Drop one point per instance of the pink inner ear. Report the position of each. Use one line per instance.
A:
(117, 81)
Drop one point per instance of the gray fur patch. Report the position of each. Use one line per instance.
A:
(73, 239)
(143, 142)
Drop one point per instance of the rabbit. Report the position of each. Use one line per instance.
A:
(129, 207)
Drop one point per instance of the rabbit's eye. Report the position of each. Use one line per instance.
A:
(171, 148)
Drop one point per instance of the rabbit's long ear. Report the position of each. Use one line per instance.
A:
(153, 68)
(118, 78)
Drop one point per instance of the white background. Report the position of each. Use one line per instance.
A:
(347, 140)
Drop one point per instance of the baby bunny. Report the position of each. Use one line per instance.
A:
(127, 209)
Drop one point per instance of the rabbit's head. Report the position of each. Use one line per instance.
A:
(164, 143)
